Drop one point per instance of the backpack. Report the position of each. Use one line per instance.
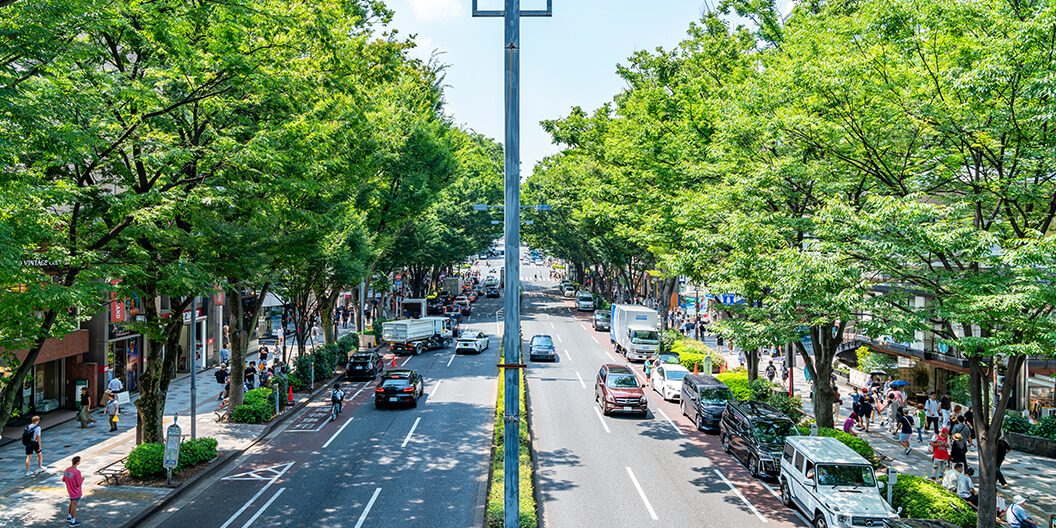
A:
(28, 434)
(336, 396)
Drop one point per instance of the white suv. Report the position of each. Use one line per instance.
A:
(834, 486)
(584, 301)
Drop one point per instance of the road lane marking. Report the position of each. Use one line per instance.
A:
(738, 493)
(404, 364)
(435, 388)
(261, 510)
(411, 432)
(547, 316)
(360, 390)
(602, 420)
(581, 380)
(567, 355)
(366, 510)
(641, 493)
(450, 360)
(595, 339)
(552, 326)
(342, 428)
(255, 497)
(558, 336)
(661, 411)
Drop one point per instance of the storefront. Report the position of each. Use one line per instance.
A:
(49, 385)
(124, 357)
(202, 344)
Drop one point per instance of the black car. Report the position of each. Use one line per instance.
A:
(491, 292)
(399, 386)
(754, 433)
(453, 312)
(364, 365)
(542, 347)
(704, 399)
(601, 320)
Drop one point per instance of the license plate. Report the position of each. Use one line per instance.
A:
(359, 367)
(627, 408)
(394, 399)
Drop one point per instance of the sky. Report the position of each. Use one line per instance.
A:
(567, 60)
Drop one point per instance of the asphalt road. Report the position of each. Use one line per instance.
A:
(596, 470)
(413, 467)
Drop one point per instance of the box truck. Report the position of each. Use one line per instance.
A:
(418, 335)
(415, 308)
(634, 331)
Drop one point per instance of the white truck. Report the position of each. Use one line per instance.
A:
(414, 308)
(418, 335)
(634, 331)
(453, 285)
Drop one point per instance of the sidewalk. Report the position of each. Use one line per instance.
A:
(1028, 475)
(41, 500)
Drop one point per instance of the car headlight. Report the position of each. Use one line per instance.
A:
(644, 401)
(610, 399)
(842, 519)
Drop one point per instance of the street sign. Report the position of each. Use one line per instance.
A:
(172, 447)
(397, 283)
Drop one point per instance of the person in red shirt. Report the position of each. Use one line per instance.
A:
(940, 452)
(72, 478)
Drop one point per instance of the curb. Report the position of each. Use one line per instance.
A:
(221, 461)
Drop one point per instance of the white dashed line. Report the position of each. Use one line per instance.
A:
(641, 493)
(602, 420)
(595, 339)
(366, 510)
(342, 428)
(661, 411)
(558, 336)
(411, 432)
(450, 360)
(581, 380)
(738, 493)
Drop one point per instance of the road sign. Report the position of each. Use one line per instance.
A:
(172, 447)
(397, 283)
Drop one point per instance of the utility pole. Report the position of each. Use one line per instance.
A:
(511, 337)
(194, 363)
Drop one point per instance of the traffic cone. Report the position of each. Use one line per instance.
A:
(289, 400)
(695, 365)
(394, 360)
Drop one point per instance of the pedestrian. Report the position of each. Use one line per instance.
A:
(115, 385)
(1017, 517)
(84, 414)
(848, 424)
(771, 371)
(940, 452)
(225, 355)
(959, 428)
(73, 480)
(263, 354)
(969, 420)
(221, 379)
(1002, 449)
(944, 407)
(921, 417)
(251, 374)
(906, 429)
(866, 406)
(965, 488)
(111, 412)
(931, 409)
(836, 403)
(893, 412)
(31, 438)
(958, 449)
(856, 408)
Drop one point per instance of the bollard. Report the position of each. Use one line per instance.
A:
(892, 479)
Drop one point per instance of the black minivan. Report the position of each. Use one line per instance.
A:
(755, 433)
(704, 399)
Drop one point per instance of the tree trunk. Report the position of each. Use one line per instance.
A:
(988, 428)
(820, 368)
(241, 325)
(159, 369)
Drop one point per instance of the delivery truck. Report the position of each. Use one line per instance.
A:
(415, 308)
(635, 331)
(418, 335)
(453, 285)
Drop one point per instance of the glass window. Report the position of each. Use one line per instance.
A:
(799, 461)
(767, 432)
(645, 337)
(715, 395)
(623, 381)
(807, 470)
(788, 453)
(832, 475)
(675, 375)
(395, 382)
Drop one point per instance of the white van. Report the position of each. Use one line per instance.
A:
(830, 483)
(584, 301)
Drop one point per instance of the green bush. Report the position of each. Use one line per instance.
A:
(668, 338)
(258, 406)
(790, 406)
(738, 384)
(348, 344)
(760, 389)
(1016, 423)
(375, 327)
(692, 353)
(920, 498)
(301, 375)
(857, 444)
(326, 358)
(194, 452)
(146, 460)
(1046, 428)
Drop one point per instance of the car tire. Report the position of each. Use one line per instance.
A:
(645, 413)
(682, 407)
(819, 521)
(725, 442)
(700, 422)
(753, 466)
(786, 494)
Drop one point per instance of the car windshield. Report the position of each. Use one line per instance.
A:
(623, 381)
(542, 341)
(585, 297)
(676, 375)
(395, 382)
(832, 475)
(645, 337)
(601, 316)
(715, 395)
(361, 357)
(767, 432)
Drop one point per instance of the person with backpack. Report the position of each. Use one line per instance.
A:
(771, 371)
(111, 412)
(221, 378)
(31, 439)
(336, 397)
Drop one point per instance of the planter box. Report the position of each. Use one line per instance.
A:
(1034, 445)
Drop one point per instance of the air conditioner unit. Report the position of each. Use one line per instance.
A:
(1045, 413)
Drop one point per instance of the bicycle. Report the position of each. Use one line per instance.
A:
(335, 410)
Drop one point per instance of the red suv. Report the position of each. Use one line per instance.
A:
(618, 390)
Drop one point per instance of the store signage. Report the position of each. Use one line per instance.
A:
(117, 311)
(187, 314)
(218, 297)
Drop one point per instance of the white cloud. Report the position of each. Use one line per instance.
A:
(436, 9)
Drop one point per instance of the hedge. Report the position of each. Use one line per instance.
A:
(258, 406)
(857, 444)
(348, 344)
(1045, 428)
(692, 353)
(146, 459)
(496, 507)
(737, 381)
(921, 498)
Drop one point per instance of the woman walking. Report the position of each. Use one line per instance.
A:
(83, 415)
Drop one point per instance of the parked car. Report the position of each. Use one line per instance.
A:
(666, 380)
(704, 399)
(831, 484)
(471, 341)
(617, 389)
(399, 386)
(584, 301)
(568, 291)
(601, 320)
(491, 292)
(364, 365)
(754, 433)
(541, 347)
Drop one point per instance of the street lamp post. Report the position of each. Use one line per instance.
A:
(511, 339)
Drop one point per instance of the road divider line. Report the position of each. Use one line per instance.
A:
(404, 364)
(552, 326)
(342, 428)
(602, 420)
(661, 411)
(365, 385)
(567, 355)
(255, 497)
(581, 380)
(595, 339)
(435, 388)
(450, 360)
(738, 493)
(547, 316)
(641, 493)
(363, 516)
(559, 340)
(411, 432)
(261, 510)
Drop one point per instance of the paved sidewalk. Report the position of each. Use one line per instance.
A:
(41, 500)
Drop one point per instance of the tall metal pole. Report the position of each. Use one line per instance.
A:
(194, 363)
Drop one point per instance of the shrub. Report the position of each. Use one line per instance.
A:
(668, 338)
(301, 376)
(194, 452)
(348, 343)
(920, 498)
(1046, 428)
(1016, 423)
(738, 384)
(258, 407)
(692, 353)
(146, 460)
(791, 406)
(375, 327)
(760, 389)
(857, 444)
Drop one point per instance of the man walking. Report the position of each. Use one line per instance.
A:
(931, 412)
(111, 412)
(31, 439)
(771, 371)
(115, 385)
(73, 480)
(944, 407)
